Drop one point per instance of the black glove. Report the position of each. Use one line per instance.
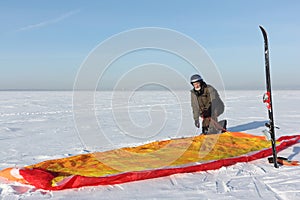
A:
(197, 124)
(206, 113)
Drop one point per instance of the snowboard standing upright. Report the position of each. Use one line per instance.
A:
(268, 97)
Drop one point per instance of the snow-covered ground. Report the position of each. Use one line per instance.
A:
(37, 126)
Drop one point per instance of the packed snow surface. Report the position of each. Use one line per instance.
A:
(40, 125)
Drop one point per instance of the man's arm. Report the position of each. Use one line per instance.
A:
(195, 106)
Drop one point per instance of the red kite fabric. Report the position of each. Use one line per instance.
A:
(152, 160)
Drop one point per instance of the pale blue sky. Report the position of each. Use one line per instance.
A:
(43, 43)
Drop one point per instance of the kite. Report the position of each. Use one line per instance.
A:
(151, 160)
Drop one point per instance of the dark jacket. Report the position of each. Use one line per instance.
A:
(206, 102)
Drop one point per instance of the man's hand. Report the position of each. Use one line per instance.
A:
(197, 124)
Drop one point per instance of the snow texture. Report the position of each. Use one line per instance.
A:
(37, 126)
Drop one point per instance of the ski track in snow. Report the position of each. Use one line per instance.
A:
(37, 126)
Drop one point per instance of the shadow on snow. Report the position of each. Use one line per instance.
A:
(296, 151)
(247, 126)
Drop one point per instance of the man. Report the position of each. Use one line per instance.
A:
(207, 104)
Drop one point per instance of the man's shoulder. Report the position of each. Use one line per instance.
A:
(210, 87)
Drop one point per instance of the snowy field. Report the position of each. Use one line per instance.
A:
(37, 126)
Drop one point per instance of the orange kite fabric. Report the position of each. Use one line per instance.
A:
(152, 160)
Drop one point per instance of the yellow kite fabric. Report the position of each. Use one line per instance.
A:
(155, 159)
